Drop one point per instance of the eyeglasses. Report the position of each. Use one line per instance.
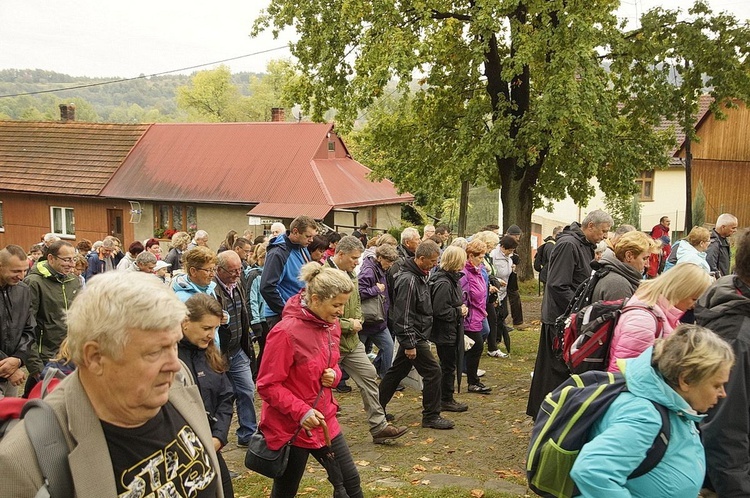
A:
(70, 261)
(231, 272)
(207, 270)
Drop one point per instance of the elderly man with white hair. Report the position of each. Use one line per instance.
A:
(134, 423)
(199, 239)
(277, 229)
(718, 253)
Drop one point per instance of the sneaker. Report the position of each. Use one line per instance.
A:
(480, 372)
(243, 444)
(497, 354)
(388, 434)
(371, 356)
(453, 406)
(438, 423)
(479, 388)
(343, 388)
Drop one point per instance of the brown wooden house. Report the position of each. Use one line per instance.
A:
(721, 163)
(51, 175)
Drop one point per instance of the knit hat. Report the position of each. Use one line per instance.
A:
(514, 230)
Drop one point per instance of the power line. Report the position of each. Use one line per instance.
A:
(143, 76)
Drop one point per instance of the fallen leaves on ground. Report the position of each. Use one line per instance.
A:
(477, 493)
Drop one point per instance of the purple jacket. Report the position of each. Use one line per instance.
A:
(474, 288)
(370, 274)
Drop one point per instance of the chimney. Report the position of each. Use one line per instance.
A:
(67, 112)
(277, 115)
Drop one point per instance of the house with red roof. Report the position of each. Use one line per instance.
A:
(721, 164)
(88, 180)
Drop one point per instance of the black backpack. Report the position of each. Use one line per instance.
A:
(562, 428)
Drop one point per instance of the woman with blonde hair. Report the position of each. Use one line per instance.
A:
(295, 387)
(180, 241)
(685, 374)
(624, 267)
(448, 312)
(692, 249)
(655, 311)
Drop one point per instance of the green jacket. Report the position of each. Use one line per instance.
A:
(51, 296)
(352, 310)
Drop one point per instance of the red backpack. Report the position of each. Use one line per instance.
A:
(588, 334)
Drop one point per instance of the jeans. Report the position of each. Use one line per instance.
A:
(384, 342)
(288, 484)
(427, 366)
(241, 377)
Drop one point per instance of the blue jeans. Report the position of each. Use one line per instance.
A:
(241, 377)
(384, 342)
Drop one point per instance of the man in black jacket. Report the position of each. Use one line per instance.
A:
(411, 312)
(569, 265)
(541, 259)
(16, 320)
(725, 309)
(718, 254)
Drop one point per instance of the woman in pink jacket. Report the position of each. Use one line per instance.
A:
(296, 385)
(475, 289)
(655, 310)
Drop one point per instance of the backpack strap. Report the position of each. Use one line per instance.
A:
(50, 447)
(659, 320)
(659, 446)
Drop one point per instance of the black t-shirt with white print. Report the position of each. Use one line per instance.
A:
(161, 458)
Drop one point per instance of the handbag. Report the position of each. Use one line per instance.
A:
(373, 309)
(265, 461)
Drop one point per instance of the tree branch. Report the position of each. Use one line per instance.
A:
(450, 15)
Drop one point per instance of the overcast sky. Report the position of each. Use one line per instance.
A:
(126, 39)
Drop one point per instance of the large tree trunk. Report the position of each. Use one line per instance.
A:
(463, 208)
(517, 199)
(688, 186)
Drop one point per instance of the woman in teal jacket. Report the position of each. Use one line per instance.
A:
(686, 373)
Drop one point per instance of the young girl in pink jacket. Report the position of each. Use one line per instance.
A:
(667, 298)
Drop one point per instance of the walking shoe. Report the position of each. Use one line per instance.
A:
(523, 326)
(388, 434)
(497, 354)
(400, 388)
(389, 417)
(343, 388)
(453, 406)
(479, 388)
(371, 356)
(243, 444)
(480, 372)
(437, 423)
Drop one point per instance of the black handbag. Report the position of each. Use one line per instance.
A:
(373, 309)
(270, 463)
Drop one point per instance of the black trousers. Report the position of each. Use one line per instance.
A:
(448, 356)
(516, 311)
(549, 371)
(260, 330)
(288, 484)
(473, 355)
(427, 366)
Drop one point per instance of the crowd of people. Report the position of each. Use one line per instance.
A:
(185, 344)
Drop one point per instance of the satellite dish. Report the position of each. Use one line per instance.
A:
(135, 211)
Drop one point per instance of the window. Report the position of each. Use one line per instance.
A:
(177, 217)
(645, 183)
(63, 221)
(2, 224)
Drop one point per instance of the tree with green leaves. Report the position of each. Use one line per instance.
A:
(520, 95)
(211, 96)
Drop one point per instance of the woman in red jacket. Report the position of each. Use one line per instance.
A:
(296, 386)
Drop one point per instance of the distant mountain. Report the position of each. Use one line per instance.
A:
(36, 94)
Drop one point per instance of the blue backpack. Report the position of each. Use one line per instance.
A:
(562, 428)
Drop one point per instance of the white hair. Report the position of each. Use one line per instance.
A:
(726, 219)
(114, 303)
(409, 233)
(278, 226)
(200, 234)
